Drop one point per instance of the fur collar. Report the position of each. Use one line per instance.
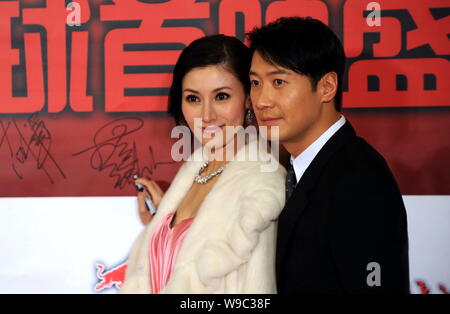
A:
(242, 204)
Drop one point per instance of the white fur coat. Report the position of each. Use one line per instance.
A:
(230, 245)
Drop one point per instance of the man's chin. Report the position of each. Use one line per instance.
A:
(272, 133)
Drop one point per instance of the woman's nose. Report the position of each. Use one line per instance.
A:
(208, 113)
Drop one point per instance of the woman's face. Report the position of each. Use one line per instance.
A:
(216, 98)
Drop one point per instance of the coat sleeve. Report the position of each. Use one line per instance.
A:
(259, 209)
(368, 235)
(259, 274)
(131, 283)
(243, 261)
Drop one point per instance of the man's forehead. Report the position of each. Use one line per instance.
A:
(261, 65)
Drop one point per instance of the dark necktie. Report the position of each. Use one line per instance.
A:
(291, 181)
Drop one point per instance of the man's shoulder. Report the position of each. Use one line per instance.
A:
(357, 170)
(356, 159)
(358, 155)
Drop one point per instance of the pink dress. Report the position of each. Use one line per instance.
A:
(165, 243)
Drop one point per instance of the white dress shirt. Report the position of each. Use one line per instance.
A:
(302, 161)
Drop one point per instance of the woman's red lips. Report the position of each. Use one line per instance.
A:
(211, 128)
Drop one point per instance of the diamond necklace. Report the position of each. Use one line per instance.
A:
(203, 180)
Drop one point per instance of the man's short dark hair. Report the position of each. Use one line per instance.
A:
(304, 45)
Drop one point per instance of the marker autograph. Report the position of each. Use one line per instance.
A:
(148, 200)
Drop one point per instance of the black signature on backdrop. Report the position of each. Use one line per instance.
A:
(114, 152)
(33, 146)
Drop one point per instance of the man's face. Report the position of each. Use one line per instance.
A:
(283, 98)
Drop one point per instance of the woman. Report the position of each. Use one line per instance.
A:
(214, 230)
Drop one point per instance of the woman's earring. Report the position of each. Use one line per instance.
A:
(249, 116)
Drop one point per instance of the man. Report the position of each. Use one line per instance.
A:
(343, 229)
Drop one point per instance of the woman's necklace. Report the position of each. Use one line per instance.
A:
(203, 180)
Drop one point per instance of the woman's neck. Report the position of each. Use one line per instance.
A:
(221, 156)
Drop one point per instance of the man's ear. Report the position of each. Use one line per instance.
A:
(328, 86)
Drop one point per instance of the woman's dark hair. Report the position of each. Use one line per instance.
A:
(304, 45)
(210, 50)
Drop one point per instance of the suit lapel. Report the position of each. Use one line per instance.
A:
(298, 201)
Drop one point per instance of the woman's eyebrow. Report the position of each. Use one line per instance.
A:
(196, 92)
(223, 87)
(190, 90)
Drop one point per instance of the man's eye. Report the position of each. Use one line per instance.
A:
(254, 83)
(278, 82)
(192, 98)
(222, 96)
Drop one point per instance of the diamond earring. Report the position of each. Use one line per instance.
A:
(249, 116)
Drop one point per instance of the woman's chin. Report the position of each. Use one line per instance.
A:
(212, 144)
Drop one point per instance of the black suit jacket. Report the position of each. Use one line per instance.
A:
(345, 213)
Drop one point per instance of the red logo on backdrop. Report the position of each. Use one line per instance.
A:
(110, 277)
(425, 290)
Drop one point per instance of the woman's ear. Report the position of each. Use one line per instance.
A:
(329, 86)
(248, 102)
(182, 122)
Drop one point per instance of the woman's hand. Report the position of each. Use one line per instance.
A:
(156, 194)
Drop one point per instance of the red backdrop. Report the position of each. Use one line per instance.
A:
(82, 106)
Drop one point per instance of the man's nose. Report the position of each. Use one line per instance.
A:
(262, 98)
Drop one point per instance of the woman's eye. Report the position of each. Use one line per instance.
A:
(192, 98)
(222, 96)
(278, 82)
(254, 83)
